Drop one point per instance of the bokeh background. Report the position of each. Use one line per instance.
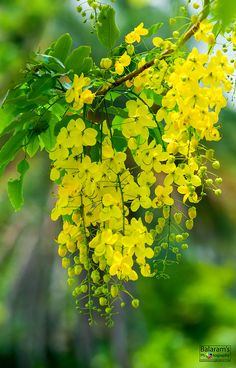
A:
(39, 325)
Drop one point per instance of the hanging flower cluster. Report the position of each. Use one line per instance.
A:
(129, 178)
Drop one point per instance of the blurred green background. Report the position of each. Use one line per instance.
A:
(39, 325)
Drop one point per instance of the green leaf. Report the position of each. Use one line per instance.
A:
(33, 146)
(86, 66)
(107, 29)
(41, 86)
(117, 111)
(112, 95)
(22, 167)
(48, 137)
(15, 187)
(156, 134)
(153, 96)
(94, 153)
(6, 116)
(119, 141)
(21, 104)
(49, 59)
(153, 29)
(11, 147)
(226, 11)
(117, 122)
(20, 122)
(62, 47)
(77, 58)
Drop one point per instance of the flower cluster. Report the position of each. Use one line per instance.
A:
(128, 184)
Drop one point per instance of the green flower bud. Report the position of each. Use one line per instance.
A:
(130, 49)
(209, 182)
(179, 238)
(84, 288)
(172, 21)
(185, 235)
(175, 34)
(210, 154)
(215, 165)
(114, 291)
(70, 281)
(102, 301)
(106, 278)
(218, 180)
(192, 212)
(78, 269)
(178, 217)
(166, 212)
(164, 245)
(189, 224)
(65, 262)
(95, 276)
(135, 303)
(196, 5)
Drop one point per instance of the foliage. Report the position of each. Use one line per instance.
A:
(127, 140)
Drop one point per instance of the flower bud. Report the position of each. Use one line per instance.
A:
(218, 180)
(172, 21)
(135, 303)
(130, 49)
(196, 5)
(215, 165)
(105, 63)
(179, 238)
(114, 291)
(178, 217)
(189, 224)
(192, 212)
(175, 34)
(65, 262)
(102, 301)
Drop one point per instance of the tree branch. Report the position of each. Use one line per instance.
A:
(187, 35)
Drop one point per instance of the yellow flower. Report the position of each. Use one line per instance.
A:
(119, 68)
(203, 31)
(146, 270)
(82, 135)
(135, 35)
(122, 267)
(78, 94)
(125, 59)
(122, 62)
(138, 121)
(163, 196)
(142, 199)
(78, 84)
(87, 97)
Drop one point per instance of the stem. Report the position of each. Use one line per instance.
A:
(168, 241)
(88, 271)
(188, 34)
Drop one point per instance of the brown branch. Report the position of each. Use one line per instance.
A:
(187, 35)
